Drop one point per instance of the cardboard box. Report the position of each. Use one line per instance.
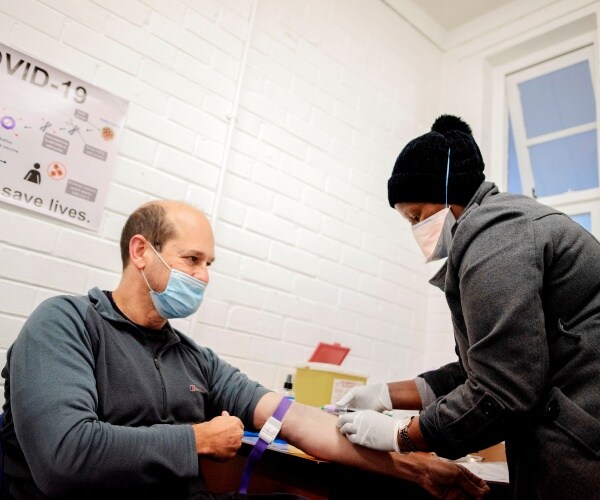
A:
(318, 384)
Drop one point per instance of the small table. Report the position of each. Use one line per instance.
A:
(286, 469)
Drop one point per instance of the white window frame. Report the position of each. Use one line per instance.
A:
(571, 203)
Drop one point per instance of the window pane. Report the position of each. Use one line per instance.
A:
(584, 219)
(514, 176)
(567, 164)
(558, 100)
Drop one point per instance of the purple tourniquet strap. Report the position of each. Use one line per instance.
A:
(261, 445)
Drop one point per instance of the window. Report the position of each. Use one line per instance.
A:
(553, 135)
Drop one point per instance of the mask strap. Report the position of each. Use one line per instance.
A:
(168, 266)
(447, 176)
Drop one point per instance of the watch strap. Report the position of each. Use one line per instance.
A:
(405, 445)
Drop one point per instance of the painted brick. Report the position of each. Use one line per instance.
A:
(270, 226)
(293, 259)
(262, 106)
(226, 65)
(159, 128)
(305, 333)
(242, 241)
(321, 201)
(248, 193)
(337, 274)
(306, 91)
(146, 44)
(263, 273)
(41, 270)
(214, 34)
(196, 120)
(17, 298)
(232, 212)
(208, 150)
(314, 289)
(151, 180)
(303, 171)
(88, 249)
(247, 122)
(132, 10)
(288, 304)
(341, 231)
(307, 248)
(297, 213)
(186, 166)
(175, 11)
(320, 245)
(256, 322)
(171, 83)
(52, 52)
(213, 312)
(305, 131)
(26, 231)
(100, 47)
(172, 33)
(137, 147)
(36, 15)
(9, 329)
(277, 74)
(234, 290)
(273, 179)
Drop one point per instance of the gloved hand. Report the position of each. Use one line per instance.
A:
(367, 397)
(371, 429)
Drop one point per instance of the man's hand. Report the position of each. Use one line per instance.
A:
(367, 397)
(219, 438)
(447, 480)
(371, 429)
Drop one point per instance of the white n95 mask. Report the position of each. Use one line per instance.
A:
(434, 234)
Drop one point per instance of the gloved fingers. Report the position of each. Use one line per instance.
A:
(346, 398)
(347, 418)
(354, 439)
(346, 426)
(385, 398)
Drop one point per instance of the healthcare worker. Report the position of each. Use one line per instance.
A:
(522, 281)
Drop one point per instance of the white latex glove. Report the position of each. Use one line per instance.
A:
(371, 429)
(367, 397)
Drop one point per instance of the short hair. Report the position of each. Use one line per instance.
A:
(152, 222)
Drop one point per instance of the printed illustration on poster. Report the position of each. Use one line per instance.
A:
(58, 140)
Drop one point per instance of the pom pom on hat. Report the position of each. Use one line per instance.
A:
(419, 174)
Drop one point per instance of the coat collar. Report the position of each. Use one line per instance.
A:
(485, 189)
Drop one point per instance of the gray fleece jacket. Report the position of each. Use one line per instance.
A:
(91, 412)
(522, 281)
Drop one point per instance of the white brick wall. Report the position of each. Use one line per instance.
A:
(307, 248)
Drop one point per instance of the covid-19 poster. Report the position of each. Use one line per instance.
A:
(58, 140)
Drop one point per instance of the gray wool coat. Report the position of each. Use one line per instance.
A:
(522, 281)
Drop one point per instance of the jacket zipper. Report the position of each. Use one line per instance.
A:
(163, 388)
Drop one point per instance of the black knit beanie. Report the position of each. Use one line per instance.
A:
(419, 174)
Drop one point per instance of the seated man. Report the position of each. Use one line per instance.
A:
(105, 399)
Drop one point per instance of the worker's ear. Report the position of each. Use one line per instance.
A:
(138, 246)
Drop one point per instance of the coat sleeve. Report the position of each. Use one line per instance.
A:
(494, 290)
(53, 405)
(445, 379)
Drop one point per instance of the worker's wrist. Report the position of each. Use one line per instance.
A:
(404, 442)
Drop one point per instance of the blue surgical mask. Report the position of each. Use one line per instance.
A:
(182, 296)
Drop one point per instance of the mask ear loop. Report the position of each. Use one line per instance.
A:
(447, 176)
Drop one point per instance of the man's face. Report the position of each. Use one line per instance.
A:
(190, 251)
